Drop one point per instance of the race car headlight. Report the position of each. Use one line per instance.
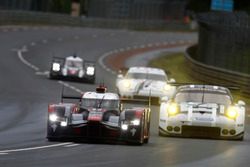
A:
(90, 71)
(56, 67)
(53, 117)
(135, 122)
(232, 112)
(173, 108)
(126, 83)
(64, 123)
(167, 87)
(80, 74)
(124, 127)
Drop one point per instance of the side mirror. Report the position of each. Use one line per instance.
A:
(164, 99)
(172, 80)
(241, 103)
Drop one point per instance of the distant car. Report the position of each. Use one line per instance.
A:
(98, 116)
(202, 111)
(72, 67)
(141, 82)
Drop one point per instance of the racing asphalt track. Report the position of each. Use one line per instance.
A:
(25, 93)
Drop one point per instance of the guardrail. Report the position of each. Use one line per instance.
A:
(10, 17)
(215, 75)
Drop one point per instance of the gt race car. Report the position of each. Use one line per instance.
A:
(98, 116)
(202, 111)
(72, 67)
(141, 82)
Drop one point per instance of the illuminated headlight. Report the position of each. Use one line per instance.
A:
(64, 123)
(90, 71)
(124, 127)
(135, 122)
(232, 112)
(80, 74)
(53, 117)
(126, 83)
(56, 67)
(167, 87)
(173, 108)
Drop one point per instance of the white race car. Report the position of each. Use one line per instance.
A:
(202, 111)
(141, 82)
(72, 67)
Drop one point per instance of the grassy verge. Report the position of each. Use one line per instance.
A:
(176, 67)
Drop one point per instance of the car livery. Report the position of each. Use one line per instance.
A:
(202, 111)
(72, 67)
(98, 115)
(139, 82)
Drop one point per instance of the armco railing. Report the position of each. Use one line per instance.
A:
(214, 75)
(10, 17)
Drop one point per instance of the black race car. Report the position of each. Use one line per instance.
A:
(98, 115)
(73, 68)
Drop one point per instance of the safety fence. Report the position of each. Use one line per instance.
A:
(10, 17)
(224, 40)
(215, 75)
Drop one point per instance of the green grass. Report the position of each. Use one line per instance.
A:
(177, 68)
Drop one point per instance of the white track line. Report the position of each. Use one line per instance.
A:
(42, 73)
(70, 86)
(34, 148)
(45, 41)
(32, 43)
(71, 145)
(20, 56)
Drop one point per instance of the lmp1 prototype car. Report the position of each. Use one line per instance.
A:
(98, 116)
(202, 111)
(140, 82)
(72, 67)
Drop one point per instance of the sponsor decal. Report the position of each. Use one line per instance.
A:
(133, 131)
(204, 119)
(54, 126)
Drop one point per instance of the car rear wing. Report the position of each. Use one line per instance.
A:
(59, 60)
(63, 96)
(88, 63)
(231, 87)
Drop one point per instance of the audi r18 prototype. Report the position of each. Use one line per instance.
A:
(140, 82)
(202, 111)
(98, 116)
(72, 67)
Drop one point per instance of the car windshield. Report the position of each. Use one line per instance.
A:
(76, 64)
(95, 103)
(199, 97)
(146, 76)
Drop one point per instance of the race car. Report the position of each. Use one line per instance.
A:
(203, 111)
(98, 116)
(141, 82)
(72, 67)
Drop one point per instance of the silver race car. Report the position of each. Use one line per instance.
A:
(141, 82)
(73, 68)
(202, 111)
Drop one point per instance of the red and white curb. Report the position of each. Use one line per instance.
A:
(101, 60)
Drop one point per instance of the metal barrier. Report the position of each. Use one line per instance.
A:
(26, 17)
(214, 75)
(224, 40)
